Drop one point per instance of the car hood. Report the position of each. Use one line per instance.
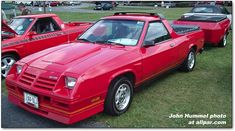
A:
(6, 28)
(75, 58)
(70, 53)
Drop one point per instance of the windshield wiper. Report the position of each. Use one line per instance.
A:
(86, 40)
(101, 42)
(109, 42)
(115, 43)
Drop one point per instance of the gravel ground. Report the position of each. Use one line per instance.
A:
(15, 117)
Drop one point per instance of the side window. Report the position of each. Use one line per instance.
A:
(216, 10)
(224, 10)
(203, 10)
(157, 32)
(45, 25)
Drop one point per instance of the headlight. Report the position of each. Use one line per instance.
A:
(18, 69)
(70, 82)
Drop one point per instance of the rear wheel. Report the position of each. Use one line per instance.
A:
(190, 61)
(119, 96)
(7, 62)
(223, 42)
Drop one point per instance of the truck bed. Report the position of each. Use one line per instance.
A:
(214, 27)
(204, 18)
(182, 29)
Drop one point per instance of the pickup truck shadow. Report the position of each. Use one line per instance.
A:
(209, 47)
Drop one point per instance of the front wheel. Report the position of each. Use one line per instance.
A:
(223, 42)
(190, 61)
(7, 62)
(119, 97)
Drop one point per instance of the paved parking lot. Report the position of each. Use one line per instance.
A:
(80, 8)
(75, 8)
(15, 117)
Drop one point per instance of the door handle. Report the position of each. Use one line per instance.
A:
(172, 45)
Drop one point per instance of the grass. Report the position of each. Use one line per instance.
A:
(74, 16)
(118, 8)
(170, 14)
(206, 90)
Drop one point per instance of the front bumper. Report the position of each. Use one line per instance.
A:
(55, 108)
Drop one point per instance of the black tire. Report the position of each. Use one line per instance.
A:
(110, 106)
(11, 56)
(223, 42)
(186, 66)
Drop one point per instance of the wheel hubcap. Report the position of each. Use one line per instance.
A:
(191, 60)
(7, 62)
(122, 96)
(224, 40)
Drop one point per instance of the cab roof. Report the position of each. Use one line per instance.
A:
(37, 16)
(134, 16)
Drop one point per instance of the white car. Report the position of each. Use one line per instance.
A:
(209, 10)
(75, 2)
(71, 3)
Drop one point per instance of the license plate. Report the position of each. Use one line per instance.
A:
(31, 99)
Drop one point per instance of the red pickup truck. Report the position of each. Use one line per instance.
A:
(215, 27)
(71, 82)
(32, 33)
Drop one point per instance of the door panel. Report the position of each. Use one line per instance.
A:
(48, 34)
(43, 41)
(160, 57)
(163, 54)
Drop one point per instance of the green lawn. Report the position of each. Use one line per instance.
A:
(119, 8)
(206, 90)
(170, 14)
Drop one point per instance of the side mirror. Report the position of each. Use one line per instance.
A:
(149, 43)
(31, 33)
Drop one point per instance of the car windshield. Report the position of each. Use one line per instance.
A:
(20, 25)
(123, 32)
(202, 10)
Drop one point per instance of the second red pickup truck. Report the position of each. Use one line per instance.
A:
(215, 27)
(99, 71)
(28, 34)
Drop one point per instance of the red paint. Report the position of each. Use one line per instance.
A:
(94, 66)
(54, 3)
(24, 48)
(214, 31)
